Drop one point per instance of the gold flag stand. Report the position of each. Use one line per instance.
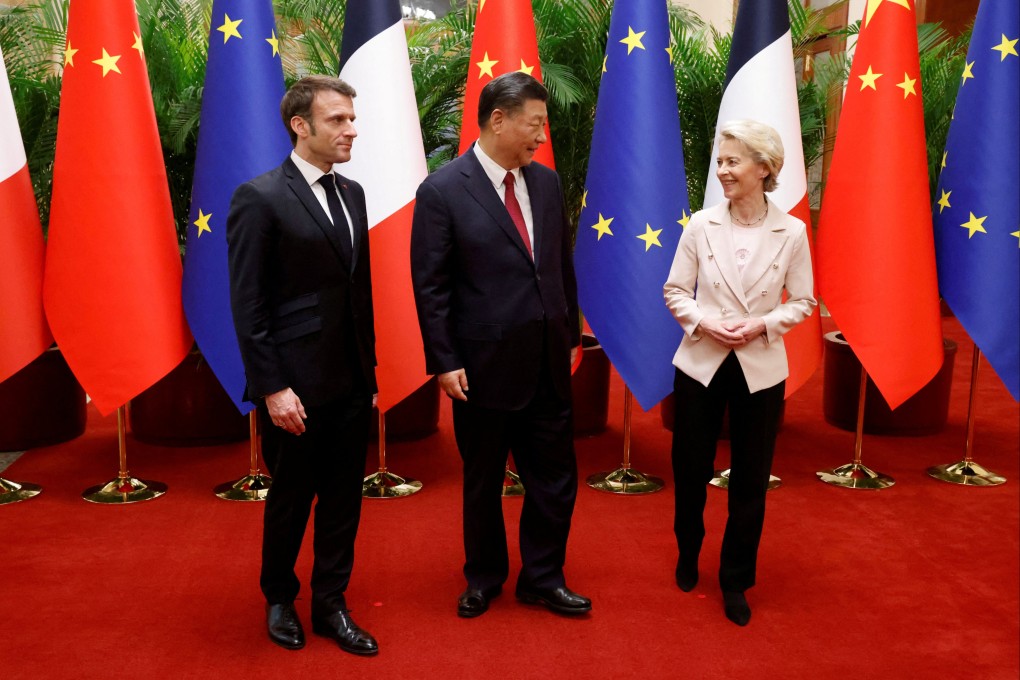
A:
(625, 480)
(385, 484)
(512, 484)
(967, 472)
(125, 488)
(14, 492)
(856, 475)
(722, 480)
(254, 486)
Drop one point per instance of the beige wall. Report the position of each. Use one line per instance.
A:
(719, 13)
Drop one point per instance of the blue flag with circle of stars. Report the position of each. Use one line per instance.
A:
(977, 214)
(240, 136)
(635, 202)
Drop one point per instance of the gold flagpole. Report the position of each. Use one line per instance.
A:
(856, 475)
(254, 486)
(125, 488)
(512, 484)
(14, 492)
(625, 479)
(385, 484)
(968, 472)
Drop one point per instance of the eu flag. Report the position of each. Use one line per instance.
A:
(240, 136)
(635, 204)
(977, 214)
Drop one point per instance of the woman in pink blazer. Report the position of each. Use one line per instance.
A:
(725, 288)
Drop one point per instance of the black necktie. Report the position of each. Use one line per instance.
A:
(336, 211)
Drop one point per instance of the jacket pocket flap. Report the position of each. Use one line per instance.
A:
(294, 304)
(297, 330)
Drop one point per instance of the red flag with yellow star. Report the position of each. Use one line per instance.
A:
(876, 253)
(504, 41)
(113, 269)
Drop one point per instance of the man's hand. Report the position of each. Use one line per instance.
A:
(454, 384)
(286, 411)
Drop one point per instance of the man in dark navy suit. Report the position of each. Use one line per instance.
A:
(494, 286)
(301, 295)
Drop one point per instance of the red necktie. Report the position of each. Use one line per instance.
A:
(514, 208)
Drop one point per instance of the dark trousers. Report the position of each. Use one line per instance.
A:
(541, 439)
(327, 463)
(754, 420)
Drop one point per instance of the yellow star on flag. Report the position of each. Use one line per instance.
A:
(107, 62)
(975, 224)
(945, 154)
(202, 222)
(669, 51)
(873, 5)
(229, 28)
(138, 44)
(944, 201)
(633, 40)
(525, 68)
(650, 237)
(275, 42)
(869, 78)
(602, 227)
(69, 55)
(967, 72)
(485, 66)
(908, 86)
(481, 6)
(684, 220)
(584, 199)
(1006, 47)
(1017, 234)
(604, 60)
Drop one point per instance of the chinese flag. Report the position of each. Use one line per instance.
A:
(876, 253)
(504, 41)
(113, 270)
(24, 334)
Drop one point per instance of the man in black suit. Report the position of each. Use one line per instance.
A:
(301, 295)
(494, 286)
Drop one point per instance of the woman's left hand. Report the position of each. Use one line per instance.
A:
(749, 329)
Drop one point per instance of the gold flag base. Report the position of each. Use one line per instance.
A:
(512, 484)
(248, 488)
(384, 484)
(967, 473)
(14, 492)
(722, 480)
(856, 476)
(625, 480)
(124, 490)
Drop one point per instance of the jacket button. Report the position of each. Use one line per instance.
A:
(775, 266)
(710, 256)
(538, 277)
(764, 293)
(724, 310)
(716, 284)
(746, 315)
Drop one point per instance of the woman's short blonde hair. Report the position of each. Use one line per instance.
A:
(762, 142)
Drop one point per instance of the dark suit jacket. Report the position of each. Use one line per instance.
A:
(483, 304)
(303, 318)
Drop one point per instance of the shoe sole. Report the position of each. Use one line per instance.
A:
(536, 600)
(349, 650)
(286, 646)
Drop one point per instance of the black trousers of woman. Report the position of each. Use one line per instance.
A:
(754, 420)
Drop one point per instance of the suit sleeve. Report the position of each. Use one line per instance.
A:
(432, 271)
(249, 247)
(681, 286)
(370, 306)
(569, 278)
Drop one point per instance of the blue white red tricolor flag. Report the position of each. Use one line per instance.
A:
(388, 161)
(761, 85)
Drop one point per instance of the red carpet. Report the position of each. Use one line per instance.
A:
(920, 580)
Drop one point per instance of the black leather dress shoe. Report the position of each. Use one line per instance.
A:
(736, 608)
(686, 576)
(284, 626)
(339, 626)
(562, 600)
(475, 601)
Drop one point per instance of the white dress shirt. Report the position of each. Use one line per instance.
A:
(312, 175)
(496, 173)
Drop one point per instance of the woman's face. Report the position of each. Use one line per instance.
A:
(740, 176)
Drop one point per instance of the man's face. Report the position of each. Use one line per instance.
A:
(518, 136)
(327, 137)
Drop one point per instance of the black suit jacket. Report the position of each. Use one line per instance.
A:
(303, 317)
(483, 304)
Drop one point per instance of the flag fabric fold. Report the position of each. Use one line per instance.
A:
(635, 202)
(504, 41)
(112, 283)
(389, 162)
(24, 334)
(761, 85)
(876, 254)
(977, 210)
(240, 136)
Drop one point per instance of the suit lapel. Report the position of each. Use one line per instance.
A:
(722, 251)
(480, 188)
(537, 198)
(297, 184)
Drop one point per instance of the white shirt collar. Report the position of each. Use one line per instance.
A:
(311, 173)
(494, 170)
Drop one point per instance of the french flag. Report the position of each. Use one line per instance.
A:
(389, 162)
(24, 334)
(761, 85)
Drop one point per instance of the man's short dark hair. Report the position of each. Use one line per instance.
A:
(299, 98)
(508, 93)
